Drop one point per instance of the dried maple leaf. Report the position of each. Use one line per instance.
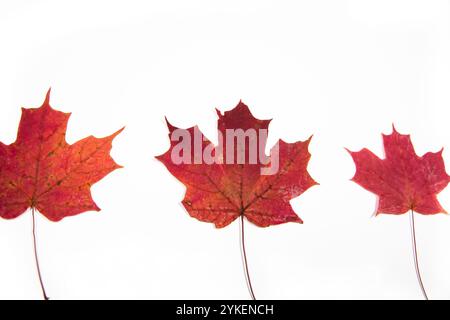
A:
(41, 171)
(222, 191)
(402, 181)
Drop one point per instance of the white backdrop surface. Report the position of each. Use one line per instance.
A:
(341, 70)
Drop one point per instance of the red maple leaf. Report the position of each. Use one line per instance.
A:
(402, 181)
(222, 191)
(41, 171)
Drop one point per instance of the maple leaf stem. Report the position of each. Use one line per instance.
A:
(244, 258)
(36, 258)
(416, 259)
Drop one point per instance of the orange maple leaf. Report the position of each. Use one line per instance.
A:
(41, 171)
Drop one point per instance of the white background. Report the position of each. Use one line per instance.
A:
(341, 70)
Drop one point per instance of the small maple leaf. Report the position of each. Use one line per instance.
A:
(40, 170)
(402, 181)
(222, 190)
